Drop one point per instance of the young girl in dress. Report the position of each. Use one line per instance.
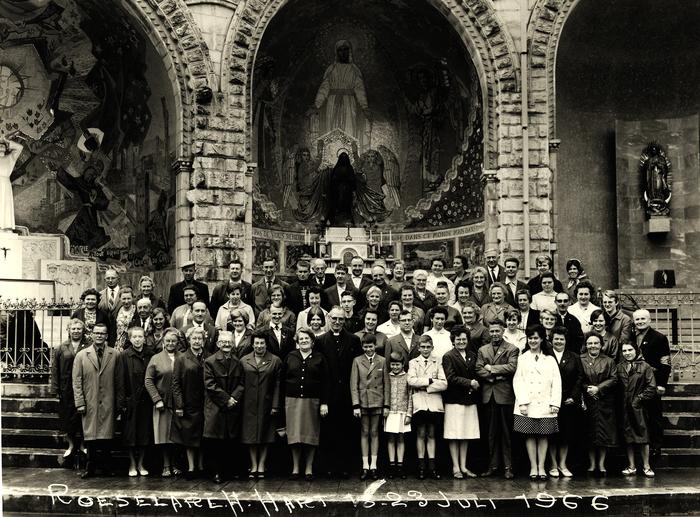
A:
(398, 416)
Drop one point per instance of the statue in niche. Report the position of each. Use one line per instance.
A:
(9, 154)
(342, 92)
(85, 229)
(654, 167)
(263, 118)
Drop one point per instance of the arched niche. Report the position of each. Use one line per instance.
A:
(410, 116)
(96, 74)
(624, 60)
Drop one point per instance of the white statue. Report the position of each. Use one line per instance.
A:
(9, 154)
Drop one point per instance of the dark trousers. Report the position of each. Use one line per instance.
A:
(339, 441)
(220, 456)
(500, 419)
(656, 422)
(98, 455)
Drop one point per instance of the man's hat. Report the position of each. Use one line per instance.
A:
(187, 263)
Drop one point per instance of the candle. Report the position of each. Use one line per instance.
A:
(389, 237)
(370, 235)
(381, 239)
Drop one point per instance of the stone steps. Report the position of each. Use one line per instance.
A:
(30, 420)
(22, 404)
(31, 457)
(682, 439)
(41, 438)
(677, 459)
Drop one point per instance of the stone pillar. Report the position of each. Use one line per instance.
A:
(182, 169)
(217, 193)
(489, 180)
(553, 155)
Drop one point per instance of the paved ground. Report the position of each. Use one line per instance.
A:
(55, 491)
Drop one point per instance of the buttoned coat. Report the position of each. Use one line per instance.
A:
(223, 379)
(600, 411)
(400, 399)
(637, 387)
(188, 396)
(133, 399)
(574, 334)
(369, 386)
(459, 373)
(159, 378)
(427, 382)
(260, 396)
(62, 385)
(398, 344)
(283, 347)
(656, 352)
(498, 384)
(571, 373)
(94, 388)
(537, 385)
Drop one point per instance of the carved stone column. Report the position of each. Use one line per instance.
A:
(182, 169)
(553, 165)
(489, 180)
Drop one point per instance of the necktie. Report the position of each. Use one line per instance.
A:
(269, 285)
(112, 298)
(426, 362)
(100, 352)
(493, 274)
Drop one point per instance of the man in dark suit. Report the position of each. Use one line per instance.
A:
(320, 278)
(280, 339)
(297, 292)
(177, 296)
(219, 296)
(261, 288)
(494, 271)
(513, 285)
(142, 316)
(495, 365)
(353, 323)
(199, 320)
(405, 342)
(331, 295)
(574, 339)
(357, 277)
(109, 296)
(340, 348)
(657, 353)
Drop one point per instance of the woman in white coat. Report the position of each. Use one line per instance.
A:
(537, 387)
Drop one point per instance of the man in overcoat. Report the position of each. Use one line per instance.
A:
(95, 374)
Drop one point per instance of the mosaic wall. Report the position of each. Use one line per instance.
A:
(86, 95)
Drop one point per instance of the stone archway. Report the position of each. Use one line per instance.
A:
(478, 25)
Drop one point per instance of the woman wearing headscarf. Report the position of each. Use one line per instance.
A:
(637, 385)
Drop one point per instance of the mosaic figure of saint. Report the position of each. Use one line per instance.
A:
(341, 97)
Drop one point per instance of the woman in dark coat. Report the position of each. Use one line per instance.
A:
(261, 401)
(460, 398)
(224, 385)
(134, 401)
(307, 385)
(571, 374)
(637, 385)
(188, 398)
(159, 377)
(62, 382)
(599, 382)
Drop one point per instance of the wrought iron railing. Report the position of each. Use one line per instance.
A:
(675, 314)
(30, 329)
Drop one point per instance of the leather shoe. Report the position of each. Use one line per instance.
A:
(374, 474)
(309, 477)
(508, 473)
(87, 474)
(435, 474)
(294, 476)
(489, 472)
(217, 478)
(421, 474)
(364, 474)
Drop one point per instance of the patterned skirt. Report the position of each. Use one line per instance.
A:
(538, 426)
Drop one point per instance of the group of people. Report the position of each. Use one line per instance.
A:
(338, 363)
